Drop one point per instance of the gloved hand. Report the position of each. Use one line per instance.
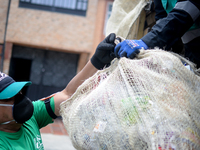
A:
(104, 53)
(129, 48)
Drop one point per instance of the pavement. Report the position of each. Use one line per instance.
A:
(55, 137)
(56, 142)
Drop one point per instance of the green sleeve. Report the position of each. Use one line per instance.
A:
(40, 113)
(2, 147)
(2, 144)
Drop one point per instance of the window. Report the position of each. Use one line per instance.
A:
(109, 9)
(108, 13)
(76, 7)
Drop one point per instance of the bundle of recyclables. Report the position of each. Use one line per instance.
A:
(151, 102)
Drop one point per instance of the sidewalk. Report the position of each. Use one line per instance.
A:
(55, 137)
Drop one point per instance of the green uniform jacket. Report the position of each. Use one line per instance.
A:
(28, 137)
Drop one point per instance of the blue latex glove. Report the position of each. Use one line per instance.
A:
(129, 48)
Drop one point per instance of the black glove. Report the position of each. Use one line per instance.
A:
(104, 53)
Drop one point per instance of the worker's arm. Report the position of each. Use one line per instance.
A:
(169, 29)
(159, 10)
(166, 32)
(102, 57)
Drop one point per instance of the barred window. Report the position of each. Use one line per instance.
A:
(76, 7)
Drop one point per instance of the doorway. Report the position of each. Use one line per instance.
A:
(20, 70)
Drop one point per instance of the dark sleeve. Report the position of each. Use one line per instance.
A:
(169, 29)
(160, 11)
(195, 2)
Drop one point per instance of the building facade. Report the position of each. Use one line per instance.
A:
(49, 41)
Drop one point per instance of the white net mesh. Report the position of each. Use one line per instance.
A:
(148, 103)
(123, 17)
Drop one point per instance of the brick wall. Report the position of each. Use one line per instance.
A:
(51, 30)
(56, 31)
(3, 14)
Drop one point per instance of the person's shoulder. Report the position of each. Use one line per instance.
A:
(2, 143)
(1, 139)
(43, 99)
(48, 97)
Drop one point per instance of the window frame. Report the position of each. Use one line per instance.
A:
(107, 15)
(53, 8)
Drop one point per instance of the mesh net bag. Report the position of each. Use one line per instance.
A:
(123, 17)
(147, 103)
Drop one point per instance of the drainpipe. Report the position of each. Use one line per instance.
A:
(4, 42)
